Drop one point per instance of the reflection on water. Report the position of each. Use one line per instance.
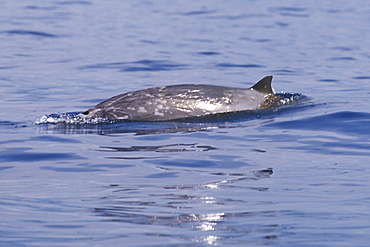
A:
(141, 205)
(139, 128)
(170, 148)
(161, 149)
(208, 222)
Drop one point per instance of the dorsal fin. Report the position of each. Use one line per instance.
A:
(264, 85)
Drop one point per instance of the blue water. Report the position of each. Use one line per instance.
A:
(293, 176)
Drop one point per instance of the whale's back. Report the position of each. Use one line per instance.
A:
(181, 101)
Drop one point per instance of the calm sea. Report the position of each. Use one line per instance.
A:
(294, 176)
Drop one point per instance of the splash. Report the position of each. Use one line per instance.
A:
(71, 118)
(280, 99)
(288, 98)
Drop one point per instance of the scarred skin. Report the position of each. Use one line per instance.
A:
(183, 101)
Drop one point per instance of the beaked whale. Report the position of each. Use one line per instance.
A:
(183, 101)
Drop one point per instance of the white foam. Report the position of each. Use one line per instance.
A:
(70, 118)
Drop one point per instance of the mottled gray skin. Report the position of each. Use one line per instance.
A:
(183, 101)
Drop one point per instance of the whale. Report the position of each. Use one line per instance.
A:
(166, 103)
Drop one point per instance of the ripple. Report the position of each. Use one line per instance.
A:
(339, 133)
(170, 148)
(209, 53)
(286, 72)
(137, 66)
(139, 150)
(345, 121)
(22, 155)
(198, 12)
(74, 3)
(342, 58)
(31, 33)
(189, 206)
(362, 77)
(290, 11)
(233, 65)
(328, 80)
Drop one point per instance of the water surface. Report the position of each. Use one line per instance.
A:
(294, 176)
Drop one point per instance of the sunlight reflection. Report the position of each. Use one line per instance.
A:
(215, 184)
(208, 200)
(208, 222)
(208, 240)
(212, 217)
(211, 186)
(207, 226)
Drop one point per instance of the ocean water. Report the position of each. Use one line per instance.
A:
(293, 176)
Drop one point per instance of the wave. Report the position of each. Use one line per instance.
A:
(343, 122)
(30, 33)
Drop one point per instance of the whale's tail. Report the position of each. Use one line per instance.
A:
(264, 85)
